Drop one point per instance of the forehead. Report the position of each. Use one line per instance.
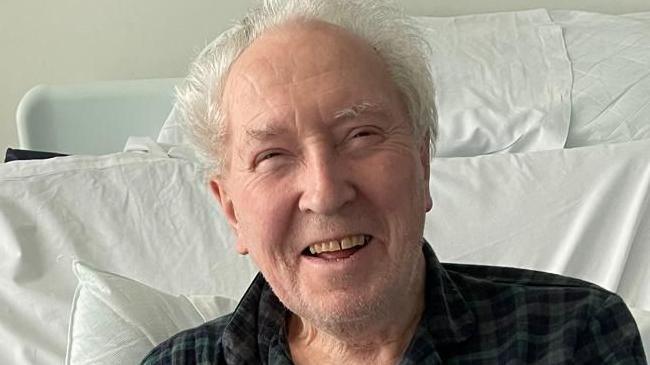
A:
(304, 62)
(299, 50)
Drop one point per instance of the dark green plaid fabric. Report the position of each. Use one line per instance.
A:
(474, 315)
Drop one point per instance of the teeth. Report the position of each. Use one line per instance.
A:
(334, 245)
(346, 243)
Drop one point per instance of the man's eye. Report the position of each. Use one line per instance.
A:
(362, 134)
(267, 156)
(364, 137)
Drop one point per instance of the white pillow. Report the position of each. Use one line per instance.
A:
(582, 212)
(116, 320)
(147, 217)
(172, 131)
(611, 69)
(503, 83)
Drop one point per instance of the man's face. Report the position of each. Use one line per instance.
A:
(321, 149)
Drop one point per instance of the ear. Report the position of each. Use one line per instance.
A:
(425, 160)
(221, 195)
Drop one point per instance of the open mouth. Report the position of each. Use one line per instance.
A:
(337, 249)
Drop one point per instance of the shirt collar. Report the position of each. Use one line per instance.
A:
(258, 322)
(447, 315)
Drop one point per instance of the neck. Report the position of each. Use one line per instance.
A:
(382, 339)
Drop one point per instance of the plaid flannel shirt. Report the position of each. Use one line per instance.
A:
(474, 315)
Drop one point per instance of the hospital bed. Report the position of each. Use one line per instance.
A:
(543, 163)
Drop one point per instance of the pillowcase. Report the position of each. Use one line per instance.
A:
(503, 84)
(116, 320)
(611, 69)
(582, 212)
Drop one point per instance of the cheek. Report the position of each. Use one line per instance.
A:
(265, 215)
(397, 183)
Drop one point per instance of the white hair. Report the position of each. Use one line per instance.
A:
(385, 28)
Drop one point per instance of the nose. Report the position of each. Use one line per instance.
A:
(326, 186)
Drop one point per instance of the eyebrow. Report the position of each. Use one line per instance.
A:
(357, 109)
(270, 130)
(266, 132)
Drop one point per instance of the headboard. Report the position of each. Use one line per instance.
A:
(93, 118)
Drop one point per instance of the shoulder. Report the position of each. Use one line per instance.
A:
(593, 322)
(497, 278)
(528, 291)
(199, 345)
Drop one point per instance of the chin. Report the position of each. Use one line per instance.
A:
(342, 308)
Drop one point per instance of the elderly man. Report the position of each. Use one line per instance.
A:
(317, 117)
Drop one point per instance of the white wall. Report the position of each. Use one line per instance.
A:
(72, 41)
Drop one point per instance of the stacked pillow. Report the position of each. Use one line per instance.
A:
(531, 80)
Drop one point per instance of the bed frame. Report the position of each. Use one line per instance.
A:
(93, 118)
